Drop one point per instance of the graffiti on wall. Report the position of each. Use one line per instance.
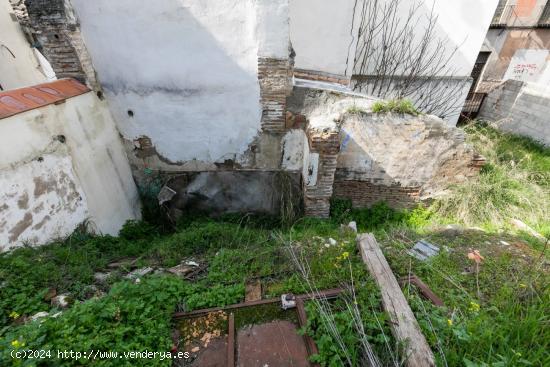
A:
(527, 65)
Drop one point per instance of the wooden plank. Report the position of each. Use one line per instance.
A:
(404, 326)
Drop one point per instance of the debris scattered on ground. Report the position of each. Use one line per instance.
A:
(423, 250)
(253, 291)
(101, 277)
(199, 332)
(288, 301)
(351, 226)
(139, 273)
(181, 269)
(166, 194)
(61, 301)
(129, 263)
(51, 293)
(39, 315)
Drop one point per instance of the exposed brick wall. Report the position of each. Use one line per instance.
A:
(58, 34)
(326, 143)
(274, 76)
(365, 194)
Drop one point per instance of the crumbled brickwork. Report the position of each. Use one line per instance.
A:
(326, 143)
(364, 194)
(58, 34)
(274, 76)
(20, 11)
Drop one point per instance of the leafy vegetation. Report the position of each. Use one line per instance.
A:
(514, 184)
(395, 106)
(495, 314)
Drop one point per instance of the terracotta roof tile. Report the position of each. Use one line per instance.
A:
(20, 100)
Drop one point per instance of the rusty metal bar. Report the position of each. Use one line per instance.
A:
(302, 320)
(424, 289)
(231, 341)
(328, 294)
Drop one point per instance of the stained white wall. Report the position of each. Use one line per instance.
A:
(20, 65)
(49, 185)
(187, 69)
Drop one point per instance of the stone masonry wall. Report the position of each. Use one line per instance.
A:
(520, 108)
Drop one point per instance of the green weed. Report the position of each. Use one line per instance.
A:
(395, 106)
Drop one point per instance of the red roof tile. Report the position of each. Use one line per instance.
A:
(20, 100)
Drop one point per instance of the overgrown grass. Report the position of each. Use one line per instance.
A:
(515, 183)
(395, 106)
(505, 324)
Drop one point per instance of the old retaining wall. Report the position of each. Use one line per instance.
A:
(520, 108)
(60, 165)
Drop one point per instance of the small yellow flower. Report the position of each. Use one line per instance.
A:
(449, 322)
(15, 343)
(474, 307)
(14, 315)
(345, 255)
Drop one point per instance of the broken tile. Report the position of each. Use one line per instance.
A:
(61, 301)
(138, 273)
(253, 291)
(423, 250)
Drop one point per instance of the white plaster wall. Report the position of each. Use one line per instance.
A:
(321, 30)
(321, 35)
(527, 65)
(23, 68)
(48, 187)
(187, 69)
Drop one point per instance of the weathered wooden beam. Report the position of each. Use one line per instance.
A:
(404, 326)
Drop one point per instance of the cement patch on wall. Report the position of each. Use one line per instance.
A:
(40, 200)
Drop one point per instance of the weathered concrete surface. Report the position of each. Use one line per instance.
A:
(520, 108)
(19, 64)
(234, 191)
(40, 197)
(403, 150)
(59, 166)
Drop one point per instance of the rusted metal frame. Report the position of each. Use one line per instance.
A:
(231, 341)
(423, 288)
(302, 321)
(328, 294)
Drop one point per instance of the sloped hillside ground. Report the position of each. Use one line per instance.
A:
(118, 293)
